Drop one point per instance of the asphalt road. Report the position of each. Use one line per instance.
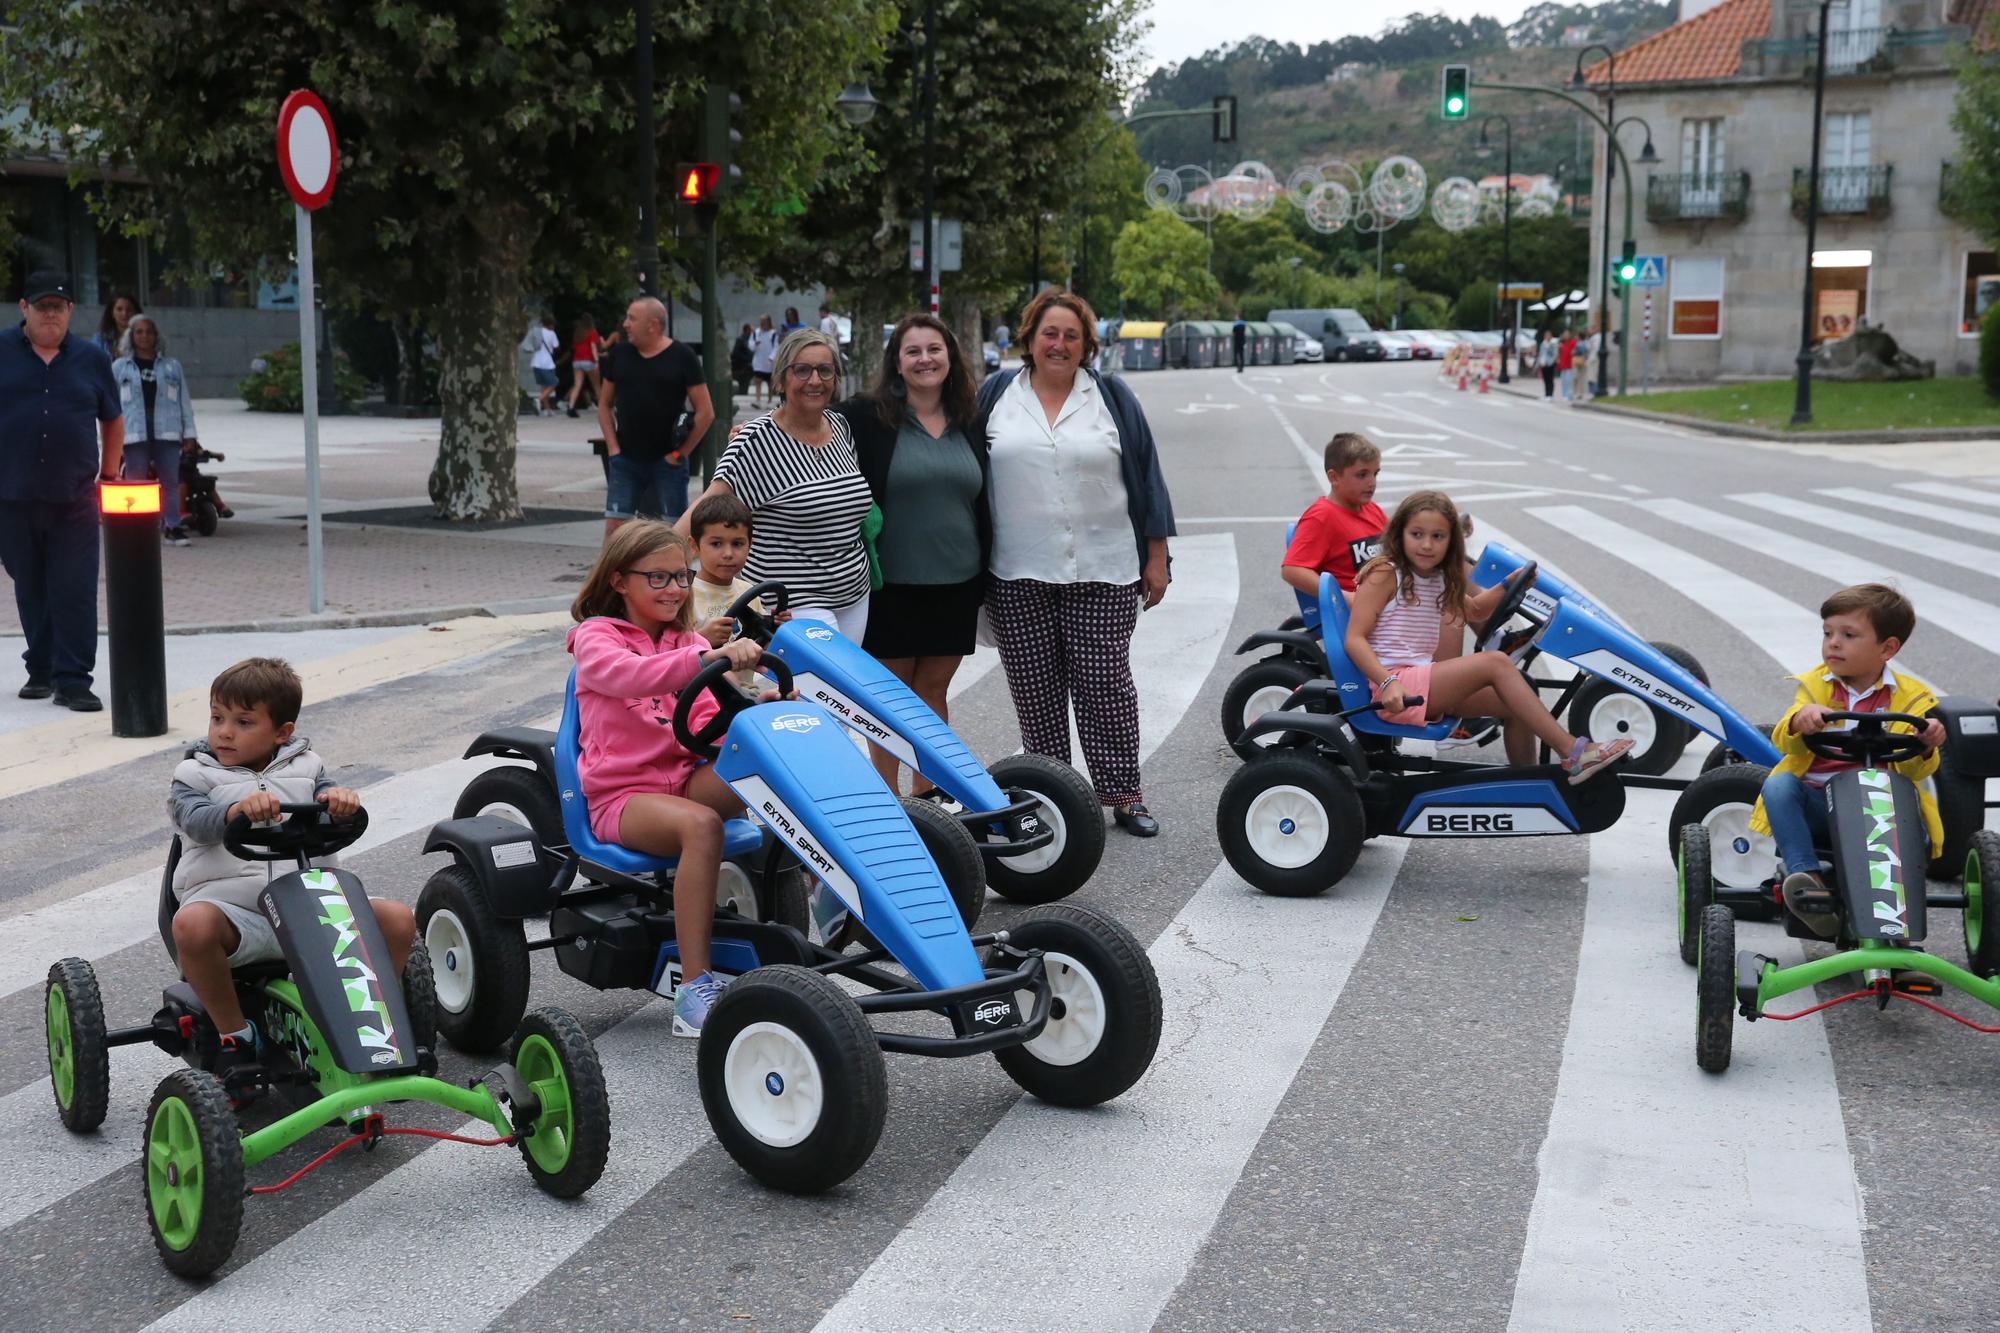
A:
(1458, 1091)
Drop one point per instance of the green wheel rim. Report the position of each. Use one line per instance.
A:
(1681, 889)
(174, 1173)
(62, 1055)
(541, 1068)
(1974, 922)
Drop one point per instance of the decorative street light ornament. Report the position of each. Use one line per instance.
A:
(1162, 189)
(1328, 207)
(1455, 203)
(1198, 201)
(1398, 187)
(1299, 186)
(1249, 190)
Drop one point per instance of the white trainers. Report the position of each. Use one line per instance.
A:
(692, 1001)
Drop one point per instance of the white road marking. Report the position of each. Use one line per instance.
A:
(1682, 1223)
(1908, 508)
(1352, 398)
(1494, 462)
(1158, 1163)
(1308, 397)
(1978, 559)
(1951, 490)
(1635, 490)
(1601, 476)
(1411, 435)
(46, 1163)
(1196, 409)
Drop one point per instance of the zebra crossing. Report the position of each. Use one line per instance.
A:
(1662, 1198)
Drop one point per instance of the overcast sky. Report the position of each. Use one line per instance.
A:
(1183, 28)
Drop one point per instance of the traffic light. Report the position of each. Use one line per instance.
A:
(1225, 118)
(1456, 100)
(720, 138)
(695, 182)
(1628, 263)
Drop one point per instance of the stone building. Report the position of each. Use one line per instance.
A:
(1727, 96)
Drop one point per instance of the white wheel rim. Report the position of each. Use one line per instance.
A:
(452, 968)
(508, 810)
(1040, 859)
(1269, 699)
(773, 1084)
(1737, 858)
(734, 891)
(1075, 994)
(1621, 716)
(1287, 827)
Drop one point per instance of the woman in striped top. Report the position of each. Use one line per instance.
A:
(796, 470)
(1414, 593)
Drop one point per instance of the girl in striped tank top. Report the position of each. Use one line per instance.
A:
(1411, 599)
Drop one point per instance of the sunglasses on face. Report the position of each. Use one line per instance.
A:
(656, 579)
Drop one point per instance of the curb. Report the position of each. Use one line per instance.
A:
(377, 619)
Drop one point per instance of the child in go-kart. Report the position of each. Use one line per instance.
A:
(635, 646)
(720, 529)
(1403, 601)
(1342, 530)
(1861, 629)
(249, 765)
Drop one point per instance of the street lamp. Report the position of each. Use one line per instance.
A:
(1802, 396)
(1485, 149)
(1396, 322)
(1578, 82)
(857, 104)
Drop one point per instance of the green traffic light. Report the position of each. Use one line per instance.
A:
(1455, 104)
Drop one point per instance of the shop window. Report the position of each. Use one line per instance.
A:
(1982, 290)
(1695, 299)
(1840, 291)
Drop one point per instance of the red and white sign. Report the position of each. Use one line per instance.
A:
(308, 155)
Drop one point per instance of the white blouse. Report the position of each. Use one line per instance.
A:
(1058, 491)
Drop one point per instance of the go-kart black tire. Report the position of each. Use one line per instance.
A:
(957, 855)
(515, 792)
(557, 1049)
(1982, 904)
(191, 1130)
(1681, 658)
(1715, 990)
(475, 1012)
(1070, 807)
(1105, 1011)
(1961, 803)
(1604, 712)
(79, 1061)
(832, 1069)
(205, 516)
(420, 996)
(1695, 889)
(1720, 753)
(1258, 689)
(783, 900)
(1721, 800)
(1260, 798)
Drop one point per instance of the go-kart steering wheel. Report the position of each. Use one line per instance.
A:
(755, 625)
(308, 830)
(1869, 743)
(729, 699)
(1512, 598)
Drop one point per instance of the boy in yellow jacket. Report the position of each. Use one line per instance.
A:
(1862, 628)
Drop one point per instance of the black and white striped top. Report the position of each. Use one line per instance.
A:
(808, 501)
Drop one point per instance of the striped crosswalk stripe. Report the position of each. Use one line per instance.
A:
(1902, 505)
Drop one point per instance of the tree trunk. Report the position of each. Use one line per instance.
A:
(473, 477)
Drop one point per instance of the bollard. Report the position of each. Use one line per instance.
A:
(1461, 379)
(133, 608)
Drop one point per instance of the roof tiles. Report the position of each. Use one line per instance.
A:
(1707, 46)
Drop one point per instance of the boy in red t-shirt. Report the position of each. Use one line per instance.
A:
(1343, 531)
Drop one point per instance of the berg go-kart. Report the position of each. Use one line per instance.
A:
(339, 1036)
(1293, 820)
(1035, 820)
(1875, 874)
(790, 1071)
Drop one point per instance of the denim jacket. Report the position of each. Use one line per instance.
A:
(173, 410)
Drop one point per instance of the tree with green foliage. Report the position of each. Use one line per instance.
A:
(1975, 176)
(1243, 245)
(1474, 307)
(1989, 349)
(486, 151)
(1161, 264)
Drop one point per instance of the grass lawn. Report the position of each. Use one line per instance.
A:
(1908, 405)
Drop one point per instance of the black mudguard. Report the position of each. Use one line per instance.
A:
(1324, 728)
(1296, 643)
(1880, 851)
(534, 744)
(341, 966)
(1972, 735)
(519, 879)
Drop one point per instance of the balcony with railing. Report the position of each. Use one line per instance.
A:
(1853, 51)
(1717, 196)
(1845, 191)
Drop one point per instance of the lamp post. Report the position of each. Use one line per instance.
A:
(1610, 175)
(1485, 149)
(642, 94)
(1396, 320)
(1802, 397)
(1648, 157)
(858, 105)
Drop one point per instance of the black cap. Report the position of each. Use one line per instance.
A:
(48, 282)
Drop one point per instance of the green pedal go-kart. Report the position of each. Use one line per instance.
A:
(340, 1037)
(1874, 872)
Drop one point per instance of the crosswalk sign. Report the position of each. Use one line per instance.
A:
(1652, 271)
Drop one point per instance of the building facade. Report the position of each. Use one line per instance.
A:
(1727, 97)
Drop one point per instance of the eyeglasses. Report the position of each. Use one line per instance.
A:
(805, 372)
(656, 579)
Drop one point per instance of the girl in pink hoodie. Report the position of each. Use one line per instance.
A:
(635, 648)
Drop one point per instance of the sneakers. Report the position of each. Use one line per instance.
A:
(693, 1001)
(176, 537)
(1472, 731)
(1590, 758)
(38, 687)
(830, 918)
(236, 1063)
(78, 699)
(1807, 893)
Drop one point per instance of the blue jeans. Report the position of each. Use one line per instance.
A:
(163, 459)
(1797, 811)
(626, 476)
(50, 551)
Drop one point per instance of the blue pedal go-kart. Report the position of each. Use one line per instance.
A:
(1034, 820)
(790, 1070)
(339, 1037)
(1293, 820)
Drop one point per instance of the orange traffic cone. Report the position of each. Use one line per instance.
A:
(1461, 379)
(1483, 380)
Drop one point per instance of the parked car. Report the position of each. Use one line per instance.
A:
(1308, 349)
(992, 355)
(1395, 346)
(1425, 345)
(1343, 334)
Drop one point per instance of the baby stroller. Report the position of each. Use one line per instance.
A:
(200, 507)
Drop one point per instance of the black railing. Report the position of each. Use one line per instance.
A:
(1845, 191)
(1722, 196)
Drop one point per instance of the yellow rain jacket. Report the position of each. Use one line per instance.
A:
(1906, 695)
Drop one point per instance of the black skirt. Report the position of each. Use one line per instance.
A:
(923, 619)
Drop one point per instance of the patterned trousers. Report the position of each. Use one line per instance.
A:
(1073, 641)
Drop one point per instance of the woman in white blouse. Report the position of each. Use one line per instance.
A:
(1080, 526)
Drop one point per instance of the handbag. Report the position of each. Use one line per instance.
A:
(871, 528)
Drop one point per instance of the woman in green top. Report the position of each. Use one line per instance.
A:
(924, 459)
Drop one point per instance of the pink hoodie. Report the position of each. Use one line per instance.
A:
(626, 690)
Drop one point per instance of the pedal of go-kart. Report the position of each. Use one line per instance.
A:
(1749, 978)
(1911, 982)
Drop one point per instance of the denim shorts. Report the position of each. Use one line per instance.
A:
(626, 476)
(545, 378)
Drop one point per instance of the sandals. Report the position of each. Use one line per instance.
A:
(1590, 757)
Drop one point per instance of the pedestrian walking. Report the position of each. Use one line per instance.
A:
(829, 323)
(1239, 334)
(1566, 364)
(1588, 353)
(739, 361)
(584, 344)
(649, 381)
(763, 356)
(1545, 362)
(61, 429)
(1081, 519)
(796, 470)
(158, 417)
(117, 317)
(542, 364)
(792, 322)
(1001, 335)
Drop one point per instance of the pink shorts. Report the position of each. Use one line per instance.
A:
(606, 817)
(1416, 683)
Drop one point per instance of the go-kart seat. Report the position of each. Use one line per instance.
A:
(170, 903)
(740, 837)
(1308, 604)
(1354, 686)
